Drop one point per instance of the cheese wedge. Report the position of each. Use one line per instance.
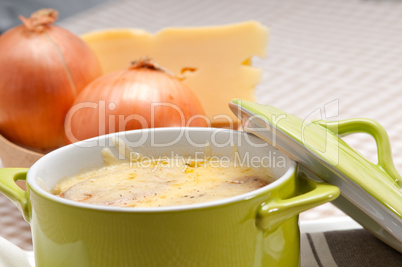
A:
(215, 61)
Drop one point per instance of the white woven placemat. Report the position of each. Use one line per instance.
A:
(327, 59)
(345, 55)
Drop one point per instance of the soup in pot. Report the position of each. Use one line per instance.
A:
(162, 182)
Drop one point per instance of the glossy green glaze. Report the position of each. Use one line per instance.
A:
(65, 235)
(330, 157)
(10, 189)
(258, 230)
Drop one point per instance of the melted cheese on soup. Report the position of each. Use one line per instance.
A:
(155, 183)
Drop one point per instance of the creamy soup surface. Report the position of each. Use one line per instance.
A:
(163, 182)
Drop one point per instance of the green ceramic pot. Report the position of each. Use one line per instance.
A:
(259, 228)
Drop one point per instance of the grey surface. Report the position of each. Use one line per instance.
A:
(359, 248)
(11, 9)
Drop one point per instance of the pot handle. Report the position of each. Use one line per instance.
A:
(10, 189)
(275, 211)
(377, 131)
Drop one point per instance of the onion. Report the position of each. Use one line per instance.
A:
(43, 68)
(143, 96)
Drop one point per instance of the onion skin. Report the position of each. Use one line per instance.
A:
(41, 73)
(136, 98)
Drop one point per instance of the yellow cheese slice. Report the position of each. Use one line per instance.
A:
(214, 61)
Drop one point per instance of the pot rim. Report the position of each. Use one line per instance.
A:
(33, 185)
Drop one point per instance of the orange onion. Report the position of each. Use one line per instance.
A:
(143, 96)
(43, 67)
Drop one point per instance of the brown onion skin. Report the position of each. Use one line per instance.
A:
(36, 91)
(132, 92)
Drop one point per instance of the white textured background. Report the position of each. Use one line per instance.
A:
(326, 59)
